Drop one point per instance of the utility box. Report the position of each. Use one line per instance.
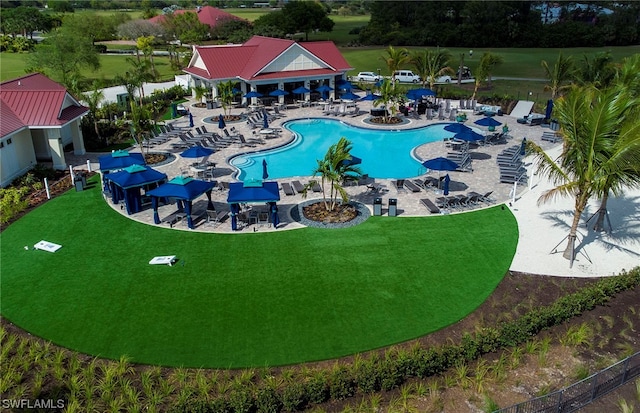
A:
(393, 207)
(79, 181)
(377, 207)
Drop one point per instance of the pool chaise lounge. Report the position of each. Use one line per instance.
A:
(430, 205)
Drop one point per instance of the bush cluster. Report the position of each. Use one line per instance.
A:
(373, 374)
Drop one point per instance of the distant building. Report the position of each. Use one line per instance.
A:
(38, 118)
(264, 64)
(208, 15)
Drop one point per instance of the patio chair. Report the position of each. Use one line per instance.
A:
(316, 187)
(399, 185)
(297, 185)
(215, 218)
(411, 186)
(430, 206)
(287, 189)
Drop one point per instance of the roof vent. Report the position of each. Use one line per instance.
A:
(19, 83)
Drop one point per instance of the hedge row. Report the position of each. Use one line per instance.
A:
(376, 373)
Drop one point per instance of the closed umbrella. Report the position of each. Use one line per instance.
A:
(547, 113)
(523, 146)
(445, 189)
(190, 120)
(265, 172)
(265, 120)
(221, 123)
(275, 219)
(235, 210)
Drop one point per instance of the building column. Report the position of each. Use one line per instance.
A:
(78, 138)
(281, 87)
(214, 90)
(332, 84)
(56, 148)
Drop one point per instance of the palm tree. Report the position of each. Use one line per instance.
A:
(599, 71)
(140, 73)
(488, 62)
(558, 75)
(390, 95)
(225, 94)
(199, 92)
(93, 100)
(591, 122)
(394, 60)
(430, 65)
(334, 169)
(624, 161)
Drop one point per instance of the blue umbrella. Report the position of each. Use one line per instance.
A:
(278, 92)
(324, 88)
(468, 135)
(379, 83)
(236, 91)
(440, 164)
(370, 96)
(300, 90)
(354, 160)
(265, 173)
(350, 96)
(547, 114)
(221, 123)
(345, 85)
(456, 127)
(235, 210)
(275, 219)
(196, 152)
(265, 121)
(445, 189)
(418, 93)
(488, 121)
(190, 120)
(253, 94)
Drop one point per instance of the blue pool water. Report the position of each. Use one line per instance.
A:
(384, 153)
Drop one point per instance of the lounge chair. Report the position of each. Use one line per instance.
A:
(411, 186)
(288, 190)
(215, 218)
(430, 205)
(399, 185)
(316, 187)
(551, 137)
(297, 185)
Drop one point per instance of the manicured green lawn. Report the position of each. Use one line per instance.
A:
(255, 299)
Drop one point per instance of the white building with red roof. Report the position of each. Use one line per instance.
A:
(38, 118)
(208, 15)
(264, 64)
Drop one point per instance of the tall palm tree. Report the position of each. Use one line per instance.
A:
(431, 64)
(334, 169)
(591, 121)
(559, 75)
(139, 74)
(199, 92)
(225, 94)
(624, 161)
(394, 59)
(598, 71)
(488, 62)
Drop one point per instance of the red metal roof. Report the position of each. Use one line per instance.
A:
(247, 60)
(35, 100)
(207, 15)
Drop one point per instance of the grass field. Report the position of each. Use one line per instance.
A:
(239, 300)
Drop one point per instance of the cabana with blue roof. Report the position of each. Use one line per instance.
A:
(119, 160)
(127, 183)
(184, 190)
(256, 192)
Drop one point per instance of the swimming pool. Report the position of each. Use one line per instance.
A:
(384, 153)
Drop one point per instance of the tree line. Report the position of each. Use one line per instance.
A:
(502, 24)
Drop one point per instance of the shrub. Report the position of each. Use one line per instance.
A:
(317, 388)
(294, 397)
(341, 384)
(12, 202)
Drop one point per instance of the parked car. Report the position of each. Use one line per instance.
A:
(443, 79)
(367, 77)
(406, 76)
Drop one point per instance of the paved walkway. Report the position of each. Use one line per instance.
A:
(540, 228)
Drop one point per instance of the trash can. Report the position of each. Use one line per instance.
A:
(377, 206)
(83, 177)
(393, 207)
(174, 110)
(78, 182)
(209, 104)
(554, 125)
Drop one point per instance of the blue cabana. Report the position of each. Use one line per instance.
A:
(185, 190)
(266, 192)
(126, 184)
(120, 160)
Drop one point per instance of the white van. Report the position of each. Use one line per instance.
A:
(406, 76)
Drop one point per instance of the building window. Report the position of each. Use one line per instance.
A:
(9, 141)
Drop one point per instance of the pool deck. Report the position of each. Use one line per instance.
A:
(540, 228)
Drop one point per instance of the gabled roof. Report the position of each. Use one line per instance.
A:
(208, 15)
(249, 60)
(36, 101)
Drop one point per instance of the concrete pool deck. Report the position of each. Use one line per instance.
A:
(541, 227)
